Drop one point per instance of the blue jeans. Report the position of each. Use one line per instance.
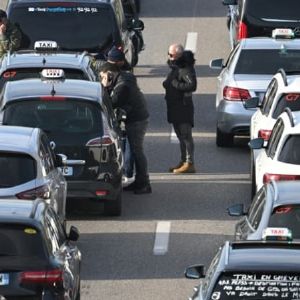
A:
(135, 134)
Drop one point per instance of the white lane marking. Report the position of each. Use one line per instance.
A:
(168, 134)
(191, 41)
(162, 234)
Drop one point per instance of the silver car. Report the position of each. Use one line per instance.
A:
(247, 73)
(29, 168)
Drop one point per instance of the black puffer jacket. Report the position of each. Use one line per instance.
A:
(126, 94)
(179, 85)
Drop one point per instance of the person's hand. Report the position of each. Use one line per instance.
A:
(105, 79)
(2, 28)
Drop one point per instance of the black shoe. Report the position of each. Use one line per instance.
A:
(146, 189)
(130, 187)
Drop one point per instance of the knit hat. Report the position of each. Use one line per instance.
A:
(2, 14)
(115, 55)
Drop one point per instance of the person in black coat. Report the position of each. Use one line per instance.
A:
(179, 85)
(123, 92)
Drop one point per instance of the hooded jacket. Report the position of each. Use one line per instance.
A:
(126, 94)
(11, 39)
(179, 85)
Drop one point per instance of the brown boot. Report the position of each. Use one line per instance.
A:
(185, 168)
(176, 167)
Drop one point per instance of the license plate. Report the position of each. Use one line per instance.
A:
(67, 171)
(4, 278)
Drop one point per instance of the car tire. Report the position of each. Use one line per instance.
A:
(114, 207)
(224, 139)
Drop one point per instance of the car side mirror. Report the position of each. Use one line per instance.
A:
(251, 103)
(229, 2)
(195, 272)
(236, 210)
(136, 24)
(257, 143)
(73, 234)
(216, 64)
(60, 160)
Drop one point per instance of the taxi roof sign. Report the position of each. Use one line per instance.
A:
(277, 234)
(283, 33)
(45, 45)
(53, 73)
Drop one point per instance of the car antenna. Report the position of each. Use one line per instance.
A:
(53, 92)
(44, 61)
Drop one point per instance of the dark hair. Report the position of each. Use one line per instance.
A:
(3, 14)
(109, 67)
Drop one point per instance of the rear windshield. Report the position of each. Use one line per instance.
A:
(267, 61)
(16, 169)
(257, 286)
(17, 74)
(69, 116)
(290, 152)
(21, 241)
(291, 100)
(274, 9)
(287, 216)
(74, 26)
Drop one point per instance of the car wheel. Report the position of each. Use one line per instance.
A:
(253, 181)
(224, 139)
(114, 207)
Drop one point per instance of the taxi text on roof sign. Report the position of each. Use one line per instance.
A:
(53, 73)
(277, 234)
(283, 33)
(45, 45)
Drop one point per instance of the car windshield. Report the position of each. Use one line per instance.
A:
(267, 61)
(273, 9)
(291, 100)
(256, 286)
(287, 216)
(16, 169)
(61, 116)
(25, 73)
(290, 152)
(74, 26)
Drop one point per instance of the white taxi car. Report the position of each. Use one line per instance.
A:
(280, 158)
(246, 74)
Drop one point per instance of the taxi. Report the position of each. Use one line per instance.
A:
(280, 158)
(46, 54)
(250, 270)
(246, 74)
(80, 125)
(276, 204)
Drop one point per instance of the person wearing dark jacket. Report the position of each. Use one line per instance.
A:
(179, 85)
(123, 92)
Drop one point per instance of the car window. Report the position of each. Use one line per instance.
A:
(257, 208)
(16, 169)
(290, 152)
(275, 138)
(19, 240)
(72, 116)
(48, 153)
(291, 100)
(85, 26)
(269, 97)
(287, 216)
(267, 61)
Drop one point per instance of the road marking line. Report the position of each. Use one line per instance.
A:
(162, 234)
(191, 41)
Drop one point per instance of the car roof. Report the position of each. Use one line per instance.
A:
(262, 256)
(260, 43)
(32, 59)
(19, 139)
(31, 88)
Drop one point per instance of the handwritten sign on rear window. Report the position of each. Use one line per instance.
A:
(257, 286)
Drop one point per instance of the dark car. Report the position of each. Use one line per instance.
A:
(76, 25)
(37, 258)
(251, 18)
(29, 64)
(250, 270)
(276, 204)
(82, 127)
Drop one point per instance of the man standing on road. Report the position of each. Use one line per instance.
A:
(179, 85)
(10, 35)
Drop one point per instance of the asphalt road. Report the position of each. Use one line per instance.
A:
(120, 260)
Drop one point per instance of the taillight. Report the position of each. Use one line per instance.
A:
(42, 192)
(265, 134)
(50, 277)
(235, 94)
(283, 210)
(277, 177)
(101, 193)
(242, 31)
(52, 98)
(100, 141)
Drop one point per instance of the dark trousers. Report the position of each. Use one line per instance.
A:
(184, 135)
(135, 133)
(128, 159)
